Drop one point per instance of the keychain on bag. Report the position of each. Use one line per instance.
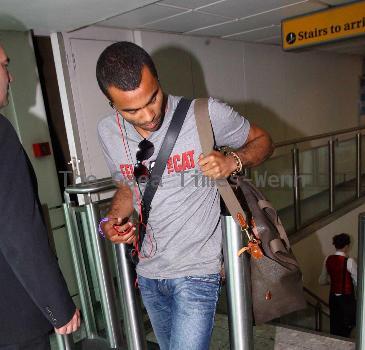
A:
(253, 245)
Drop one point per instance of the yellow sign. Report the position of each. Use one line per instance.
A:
(321, 27)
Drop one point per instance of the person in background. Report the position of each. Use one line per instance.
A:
(34, 295)
(340, 272)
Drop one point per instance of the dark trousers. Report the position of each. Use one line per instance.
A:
(40, 343)
(342, 314)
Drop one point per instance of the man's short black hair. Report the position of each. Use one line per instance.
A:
(341, 240)
(120, 65)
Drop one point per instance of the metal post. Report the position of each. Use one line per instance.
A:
(105, 281)
(80, 270)
(331, 170)
(317, 317)
(132, 315)
(315, 167)
(64, 342)
(360, 313)
(316, 327)
(296, 184)
(320, 318)
(238, 287)
(358, 165)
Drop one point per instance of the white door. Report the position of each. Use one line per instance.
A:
(82, 101)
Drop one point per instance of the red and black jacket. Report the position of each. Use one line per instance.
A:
(341, 282)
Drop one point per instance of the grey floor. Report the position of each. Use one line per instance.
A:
(266, 337)
(270, 337)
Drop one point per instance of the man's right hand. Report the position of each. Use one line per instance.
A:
(118, 232)
(71, 326)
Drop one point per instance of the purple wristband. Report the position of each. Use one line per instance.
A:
(99, 227)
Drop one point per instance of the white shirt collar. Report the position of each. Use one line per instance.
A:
(340, 253)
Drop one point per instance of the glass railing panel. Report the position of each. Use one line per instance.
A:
(85, 233)
(275, 179)
(89, 249)
(345, 171)
(305, 319)
(314, 184)
(88, 255)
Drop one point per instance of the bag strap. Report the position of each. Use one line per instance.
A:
(264, 204)
(205, 132)
(160, 164)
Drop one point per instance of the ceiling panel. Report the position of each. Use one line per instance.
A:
(275, 17)
(64, 15)
(239, 8)
(262, 20)
(186, 22)
(257, 34)
(294, 10)
(188, 4)
(273, 40)
(220, 30)
(141, 16)
(247, 20)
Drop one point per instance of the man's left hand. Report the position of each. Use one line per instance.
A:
(216, 165)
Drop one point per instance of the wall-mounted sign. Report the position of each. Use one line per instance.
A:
(324, 26)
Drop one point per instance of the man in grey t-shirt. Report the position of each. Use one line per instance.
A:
(180, 260)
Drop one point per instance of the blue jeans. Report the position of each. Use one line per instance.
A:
(181, 310)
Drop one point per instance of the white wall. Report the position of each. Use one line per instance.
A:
(289, 94)
(303, 93)
(197, 66)
(312, 250)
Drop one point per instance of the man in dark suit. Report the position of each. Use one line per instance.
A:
(33, 294)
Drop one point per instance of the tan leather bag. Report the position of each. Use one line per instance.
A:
(276, 279)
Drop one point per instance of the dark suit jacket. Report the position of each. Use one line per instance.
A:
(33, 294)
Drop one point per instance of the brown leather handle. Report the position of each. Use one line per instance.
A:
(207, 143)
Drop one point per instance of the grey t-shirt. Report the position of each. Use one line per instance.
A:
(183, 235)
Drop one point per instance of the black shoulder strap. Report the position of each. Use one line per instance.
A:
(161, 161)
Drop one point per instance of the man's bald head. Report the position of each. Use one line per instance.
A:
(5, 78)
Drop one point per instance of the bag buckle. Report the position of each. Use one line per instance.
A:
(253, 246)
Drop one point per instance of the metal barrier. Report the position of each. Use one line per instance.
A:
(133, 328)
(360, 313)
(65, 342)
(132, 316)
(239, 303)
(238, 287)
(325, 168)
(237, 272)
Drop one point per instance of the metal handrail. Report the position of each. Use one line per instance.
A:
(331, 159)
(96, 186)
(107, 183)
(318, 309)
(317, 137)
(314, 296)
(240, 319)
